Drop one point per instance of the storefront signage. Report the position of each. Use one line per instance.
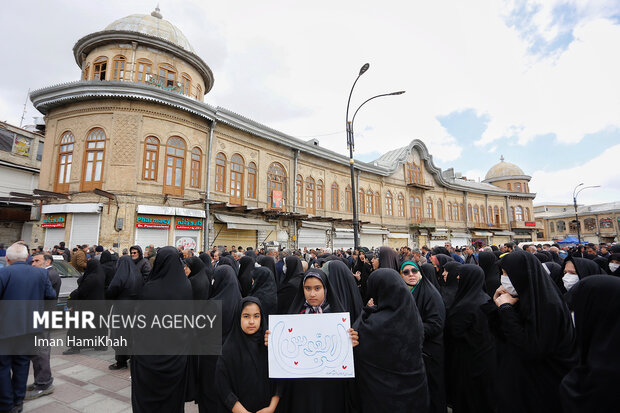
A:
(194, 224)
(153, 221)
(530, 224)
(54, 221)
(606, 223)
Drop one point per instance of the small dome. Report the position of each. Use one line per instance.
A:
(152, 25)
(502, 169)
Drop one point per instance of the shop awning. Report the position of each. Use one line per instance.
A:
(482, 234)
(460, 235)
(398, 235)
(374, 231)
(166, 210)
(316, 225)
(71, 208)
(236, 222)
(505, 233)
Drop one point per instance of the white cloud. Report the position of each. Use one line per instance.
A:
(558, 186)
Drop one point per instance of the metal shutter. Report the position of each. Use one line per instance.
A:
(84, 229)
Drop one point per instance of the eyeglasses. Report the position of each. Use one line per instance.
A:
(407, 272)
(134, 253)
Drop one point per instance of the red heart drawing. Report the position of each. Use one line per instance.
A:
(344, 319)
(344, 367)
(290, 330)
(295, 362)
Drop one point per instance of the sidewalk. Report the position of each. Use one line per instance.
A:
(85, 384)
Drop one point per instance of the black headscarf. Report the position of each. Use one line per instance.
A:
(201, 284)
(451, 284)
(429, 273)
(388, 360)
(614, 257)
(331, 304)
(228, 260)
(206, 259)
(488, 263)
(91, 285)
(344, 286)
(555, 257)
(442, 260)
(225, 288)
(268, 262)
(242, 370)
(585, 267)
(603, 264)
(246, 267)
(264, 289)
(591, 385)
(292, 280)
(108, 265)
(388, 258)
(556, 273)
(127, 281)
(140, 254)
(542, 257)
(470, 292)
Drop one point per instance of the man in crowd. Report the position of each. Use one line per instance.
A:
(78, 258)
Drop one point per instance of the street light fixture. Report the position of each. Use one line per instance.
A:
(351, 145)
(575, 194)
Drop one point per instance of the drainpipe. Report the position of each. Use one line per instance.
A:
(294, 181)
(508, 217)
(134, 46)
(208, 191)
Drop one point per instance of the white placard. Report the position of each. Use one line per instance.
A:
(310, 346)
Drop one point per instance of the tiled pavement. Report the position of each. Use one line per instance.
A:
(85, 384)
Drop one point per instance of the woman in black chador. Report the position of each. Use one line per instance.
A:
(345, 288)
(450, 284)
(246, 267)
(592, 384)
(488, 262)
(264, 288)
(389, 370)
(471, 357)
(534, 337)
(293, 274)
(242, 370)
(158, 382)
(201, 285)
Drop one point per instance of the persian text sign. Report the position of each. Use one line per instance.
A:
(54, 221)
(310, 346)
(194, 224)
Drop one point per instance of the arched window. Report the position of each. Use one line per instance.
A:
(476, 214)
(589, 224)
(361, 201)
(252, 180)
(100, 66)
(276, 186)
(347, 199)
(186, 83)
(195, 168)
(430, 209)
(175, 166)
(401, 205)
(299, 189)
(65, 160)
(335, 197)
(236, 179)
(198, 92)
(449, 208)
(118, 67)
(561, 226)
(220, 172)
(414, 175)
(144, 68)
(389, 204)
(310, 195)
(151, 158)
(320, 201)
(369, 202)
(509, 187)
(512, 214)
(551, 227)
(440, 209)
(92, 175)
(470, 213)
(86, 70)
(377, 203)
(519, 213)
(496, 215)
(517, 186)
(415, 204)
(502, 215)
(461, 212)
(482, 217)
(490, 216)
(527, 214)
(167, 75)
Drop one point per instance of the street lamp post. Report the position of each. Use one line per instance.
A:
(575, 194)
(351, 145)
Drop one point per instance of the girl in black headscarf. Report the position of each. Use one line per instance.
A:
(201, 285)
(126, 285)
(532, 356)
(451, 283)
(264, 288)
(268, 262)
(488, 263)
(290, 283)
(471, 356)
(158, 382)
(591, 385)
(246, 267)
(344, 286)
(225, 288)
(389, 369)
(108, 266)
(433, 313)
(91, 295)
(242, 370)
(388, 258)
(206, 259)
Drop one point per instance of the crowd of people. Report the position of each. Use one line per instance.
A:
(511, 329)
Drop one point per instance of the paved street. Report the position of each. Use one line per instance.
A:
(85, 384)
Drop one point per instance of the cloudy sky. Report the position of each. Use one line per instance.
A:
(535, 81)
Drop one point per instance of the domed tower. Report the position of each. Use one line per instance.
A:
(508, 176)
(135, 127)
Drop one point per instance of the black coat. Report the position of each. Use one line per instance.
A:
(108, 265)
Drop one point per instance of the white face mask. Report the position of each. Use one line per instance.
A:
(284, 269)
(569, 280)
(614, 267)
(508, 286)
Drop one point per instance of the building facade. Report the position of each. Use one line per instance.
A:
(598, 223)
(145, 161)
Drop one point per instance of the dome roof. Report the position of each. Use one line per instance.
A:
(503, 169)
(152, 25)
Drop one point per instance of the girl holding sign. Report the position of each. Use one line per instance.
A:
(242, 371)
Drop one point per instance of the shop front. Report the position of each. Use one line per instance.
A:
(481, 238)
(372, 236)
(54, 225)
(460, 239)
(501, 237)
(343, 239)
(152, 230)
(312, 234)
(397, 240)
(438, 238)
(234, 230)
(83, 222)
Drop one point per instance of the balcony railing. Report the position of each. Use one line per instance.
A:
(423, 222)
